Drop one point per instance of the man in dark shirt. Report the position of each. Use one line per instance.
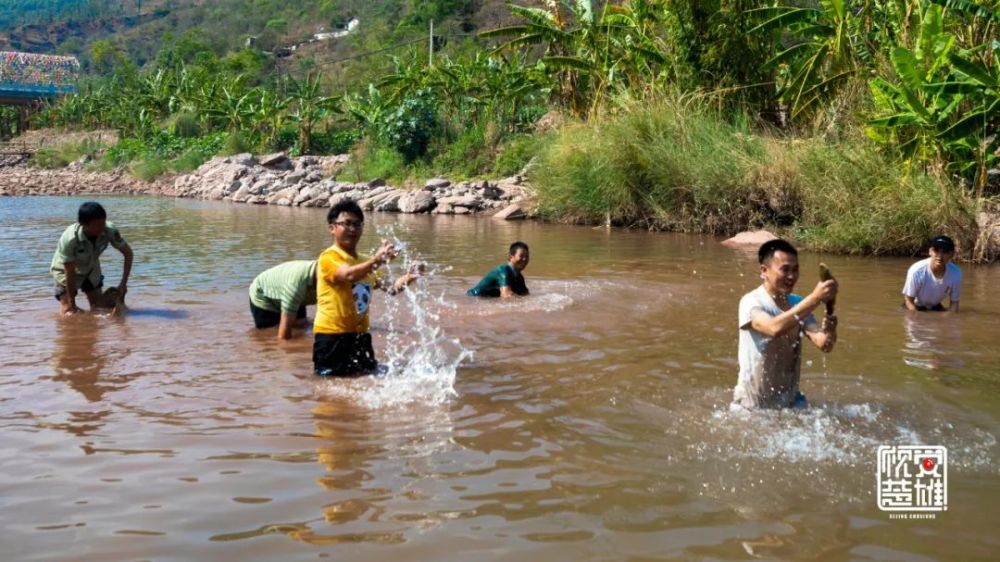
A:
(505, 280)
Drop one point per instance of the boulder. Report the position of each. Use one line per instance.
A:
(321, 201)
(470, 201)
(377, 182)
(309, 194)
(434, 184)
(390, 203)
(288, 194)
(417, 202)
(462, 211)
(511, 212)
(295, 177)
(277, 161)
(260, 187)
(751, 239)
(244, 159)
(242, 194)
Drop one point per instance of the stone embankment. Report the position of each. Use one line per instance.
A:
(310, 181)
(306, 181)
(17, 178)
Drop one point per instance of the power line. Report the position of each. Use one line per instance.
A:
(328, 62)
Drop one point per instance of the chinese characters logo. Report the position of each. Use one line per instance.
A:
(912, 478)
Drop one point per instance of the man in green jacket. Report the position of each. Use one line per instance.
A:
(76, 264)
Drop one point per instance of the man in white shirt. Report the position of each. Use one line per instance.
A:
(772, 320)
(930, 280)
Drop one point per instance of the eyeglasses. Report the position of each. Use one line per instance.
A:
(355, 225)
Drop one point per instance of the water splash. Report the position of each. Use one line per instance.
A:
(420, 359)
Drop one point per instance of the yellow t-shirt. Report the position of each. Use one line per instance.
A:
(341, 308)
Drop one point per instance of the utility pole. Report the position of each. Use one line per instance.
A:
(430, 47)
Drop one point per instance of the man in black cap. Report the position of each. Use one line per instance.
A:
(930, 280)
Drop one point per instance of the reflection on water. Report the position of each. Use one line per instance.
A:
(934, 340)
(589, 421)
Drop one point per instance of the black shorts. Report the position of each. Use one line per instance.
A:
(338, 355)
(86, 288)
(936, 308)
(263, 318)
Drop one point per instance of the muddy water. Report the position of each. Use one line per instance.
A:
(587, 422)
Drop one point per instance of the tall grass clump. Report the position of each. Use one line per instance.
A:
(148, 169)
(679, 164)
(855, 201)
(674, 164)
(65, 154)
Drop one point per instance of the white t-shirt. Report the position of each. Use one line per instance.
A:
(927, 290)
(769, 367)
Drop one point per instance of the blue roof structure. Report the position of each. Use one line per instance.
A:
(28, 77)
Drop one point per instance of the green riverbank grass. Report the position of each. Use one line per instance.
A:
(678, 165)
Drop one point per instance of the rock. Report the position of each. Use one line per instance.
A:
(417, 202)
(470, 201)
(314, 177)
(377, 182)
(434, 184)
(445, 209)
(295, 177)
(217, 194)
(321, 201)
(244, 159)
(751, 239)
(278, 160)
(309, 194)
(260, 187)
(288, 194)
(462, 211)
(390, 204)
(242, 194)
(511, 212)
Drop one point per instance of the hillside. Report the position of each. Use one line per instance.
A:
(140, 29)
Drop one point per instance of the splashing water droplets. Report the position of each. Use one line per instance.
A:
(419, 360)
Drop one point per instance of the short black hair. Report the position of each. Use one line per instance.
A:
(345, 206)
(942, 242)
(517, 246)
(767, 249)
(91, 211)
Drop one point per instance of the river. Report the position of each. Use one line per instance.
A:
(588, 421)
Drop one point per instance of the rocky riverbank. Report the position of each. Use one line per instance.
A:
(276, 179)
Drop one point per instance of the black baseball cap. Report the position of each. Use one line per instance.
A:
(942, 242)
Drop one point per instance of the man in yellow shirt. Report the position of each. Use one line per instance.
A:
(344, 284)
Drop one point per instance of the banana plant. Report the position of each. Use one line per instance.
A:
(820, 50)
(942, 106)
(311, 106)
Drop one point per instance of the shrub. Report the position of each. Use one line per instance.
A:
(410, 127)
(149, 169)
(184, 125)
(235, 143)
(65, 154)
